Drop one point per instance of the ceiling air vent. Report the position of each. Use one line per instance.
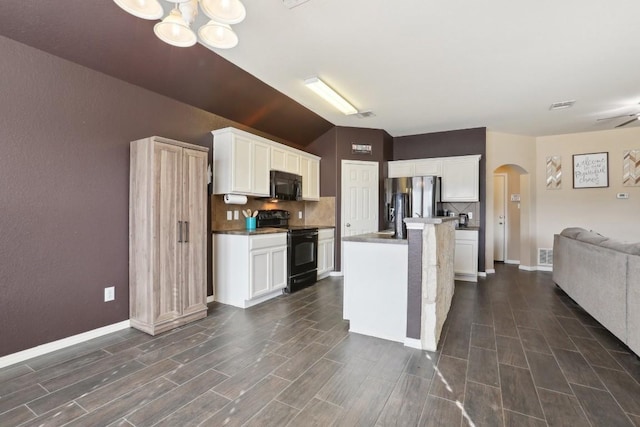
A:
(562, 105)
(365, 114)
(293, 3)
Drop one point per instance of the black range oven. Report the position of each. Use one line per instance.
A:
(302, 248)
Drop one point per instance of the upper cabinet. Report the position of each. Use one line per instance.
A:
(460, 175)
(285, 160)
(242, 161)
(310, 171)
(419, 167)
(460, 179)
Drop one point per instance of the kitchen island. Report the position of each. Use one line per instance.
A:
(397, 289)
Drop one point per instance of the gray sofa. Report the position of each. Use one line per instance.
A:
(603, 276)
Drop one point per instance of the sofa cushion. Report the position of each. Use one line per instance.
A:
(572, 232)
(628, 248)
(591, 237)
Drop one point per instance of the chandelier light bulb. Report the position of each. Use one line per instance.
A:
(224, 11)
(145, 9)
(174, 30)
(218, 35)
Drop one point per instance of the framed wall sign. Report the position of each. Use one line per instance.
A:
(591, 170)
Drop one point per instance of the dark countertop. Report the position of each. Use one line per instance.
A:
(265, 230)
(470, 228)
(245, 232)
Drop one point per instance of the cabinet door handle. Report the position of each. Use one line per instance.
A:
(186, 239)
(179, 231)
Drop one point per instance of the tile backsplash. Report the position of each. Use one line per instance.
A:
(321, 212)
(465, 207)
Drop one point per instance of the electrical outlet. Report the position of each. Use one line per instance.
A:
(236, 214)
(470, 215)
(299, 214)
(109, 294)
(622, 195)
(229, 215)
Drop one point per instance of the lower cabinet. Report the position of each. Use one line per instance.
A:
(465, 264)
(249, 269)
(326, 243)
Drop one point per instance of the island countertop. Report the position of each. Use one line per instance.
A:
(377, 237)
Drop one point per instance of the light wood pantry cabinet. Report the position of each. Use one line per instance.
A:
(465, 264)
(325, 252)
(249, 269)
(241, 163)
(167, 234)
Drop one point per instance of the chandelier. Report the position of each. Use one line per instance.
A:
(175, 28)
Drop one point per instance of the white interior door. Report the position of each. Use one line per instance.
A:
(499, 216)
(360, 186)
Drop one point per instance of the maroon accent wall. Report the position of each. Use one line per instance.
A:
(325, 147)
(64, 174)
(452, 143)
(335, 146)
(118, 44)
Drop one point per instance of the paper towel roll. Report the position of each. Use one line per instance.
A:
(235, 199)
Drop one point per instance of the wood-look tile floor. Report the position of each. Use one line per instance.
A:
(516, 351)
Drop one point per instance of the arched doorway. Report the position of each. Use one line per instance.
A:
(508, 189)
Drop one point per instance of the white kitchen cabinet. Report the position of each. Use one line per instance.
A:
(460, 179)
(427, 167)
(465, 264)
(326, 242)
(418, 167)
(310, 171)
(167, 234)
(241, 163)
(249, 269)
(400, 168)
(285, 160)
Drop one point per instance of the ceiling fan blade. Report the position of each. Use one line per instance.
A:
(627, 122)
(617, 117)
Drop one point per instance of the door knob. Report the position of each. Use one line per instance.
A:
(499, 223)
(348, 225)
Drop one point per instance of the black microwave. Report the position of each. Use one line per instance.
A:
(285, 186)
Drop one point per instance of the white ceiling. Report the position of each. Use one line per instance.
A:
(426, 66)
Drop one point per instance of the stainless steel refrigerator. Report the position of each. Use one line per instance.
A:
(408, 197)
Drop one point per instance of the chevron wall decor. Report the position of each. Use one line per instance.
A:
(554, 173)
(631, 168)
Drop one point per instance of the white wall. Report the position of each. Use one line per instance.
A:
(592, 208)
(546, 212)
(508, 149)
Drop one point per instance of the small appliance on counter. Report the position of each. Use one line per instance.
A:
(463, 220)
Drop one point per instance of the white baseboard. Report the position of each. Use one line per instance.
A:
(482, 274)
(336, 273)
(512, 261)
(29, 353)
(211, 298)
(491, 271)
(536, 268)
(413, 343)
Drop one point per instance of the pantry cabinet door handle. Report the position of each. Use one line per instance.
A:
(179, 231)
(186, 239)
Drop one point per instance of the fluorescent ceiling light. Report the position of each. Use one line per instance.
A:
(330, 95)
